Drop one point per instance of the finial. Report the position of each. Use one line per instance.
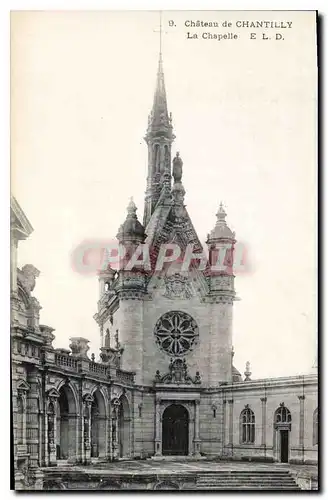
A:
(221, 214)
(160, 34)
(232, 351)
(247, 372)
(132, 208)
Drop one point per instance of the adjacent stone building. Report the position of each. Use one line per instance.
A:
(165, 383)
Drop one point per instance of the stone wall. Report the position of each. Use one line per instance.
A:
(263, 398)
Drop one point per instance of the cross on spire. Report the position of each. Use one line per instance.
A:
(160, 31)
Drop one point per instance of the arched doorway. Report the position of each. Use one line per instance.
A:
(98, 426)
(124, 427)
(282, 425)
(175, 432)
(66, 424)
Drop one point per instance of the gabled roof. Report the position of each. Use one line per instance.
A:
(19, 223)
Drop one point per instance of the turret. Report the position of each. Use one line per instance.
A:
(130, 288)
(131, 231)
(106, 279)
(130, 234)
(220, 243)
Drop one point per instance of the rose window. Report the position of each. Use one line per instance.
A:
(176, 333)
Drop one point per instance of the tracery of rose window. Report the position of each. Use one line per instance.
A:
(176, 333)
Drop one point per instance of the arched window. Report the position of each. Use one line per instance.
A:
(247, 424)
(282, 415)
(315, 427)
(20, 419)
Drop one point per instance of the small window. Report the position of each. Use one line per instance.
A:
(283, 415)
(247, 423)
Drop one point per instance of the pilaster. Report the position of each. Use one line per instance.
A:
(301, 428)
(158, 439)
(263, 435)
(196, 430)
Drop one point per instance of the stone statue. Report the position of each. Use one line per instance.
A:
(28, 275)
(177, 168)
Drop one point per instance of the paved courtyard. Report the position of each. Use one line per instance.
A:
(176, 466)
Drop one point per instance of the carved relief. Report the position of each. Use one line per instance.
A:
(178, 374)
(177, 287)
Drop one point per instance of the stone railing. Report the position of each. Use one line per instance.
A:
(125, 377)
(66, 361)
(71, 363)
(98, 369)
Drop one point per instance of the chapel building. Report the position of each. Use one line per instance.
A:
(165, 383)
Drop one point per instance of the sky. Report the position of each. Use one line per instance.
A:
(244, 115)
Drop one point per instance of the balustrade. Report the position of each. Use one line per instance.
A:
(66, 361)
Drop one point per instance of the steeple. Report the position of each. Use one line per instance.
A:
(159, 118)
(159, 138)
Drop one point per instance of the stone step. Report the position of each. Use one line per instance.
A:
(291, 483)
(247, 480)
(266, 479)
(228, 476)
(236, 481)
(251, 488)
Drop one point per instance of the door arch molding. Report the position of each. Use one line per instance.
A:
(175, 429)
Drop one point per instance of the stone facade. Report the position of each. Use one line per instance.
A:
(165, 381)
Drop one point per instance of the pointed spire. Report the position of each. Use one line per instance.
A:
(159, 118)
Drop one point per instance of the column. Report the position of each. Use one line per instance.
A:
(301, 431)
(13, 256)
(196, 436)
(132, 432)
(40, 418)
(114, 429)
(109, 433)
(86, 432)
(32, 421)
(230, 442)
(224, 423)
(45, 435)
(263, 438)
(158, 441)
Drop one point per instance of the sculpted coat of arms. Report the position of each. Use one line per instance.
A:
(177, 287)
